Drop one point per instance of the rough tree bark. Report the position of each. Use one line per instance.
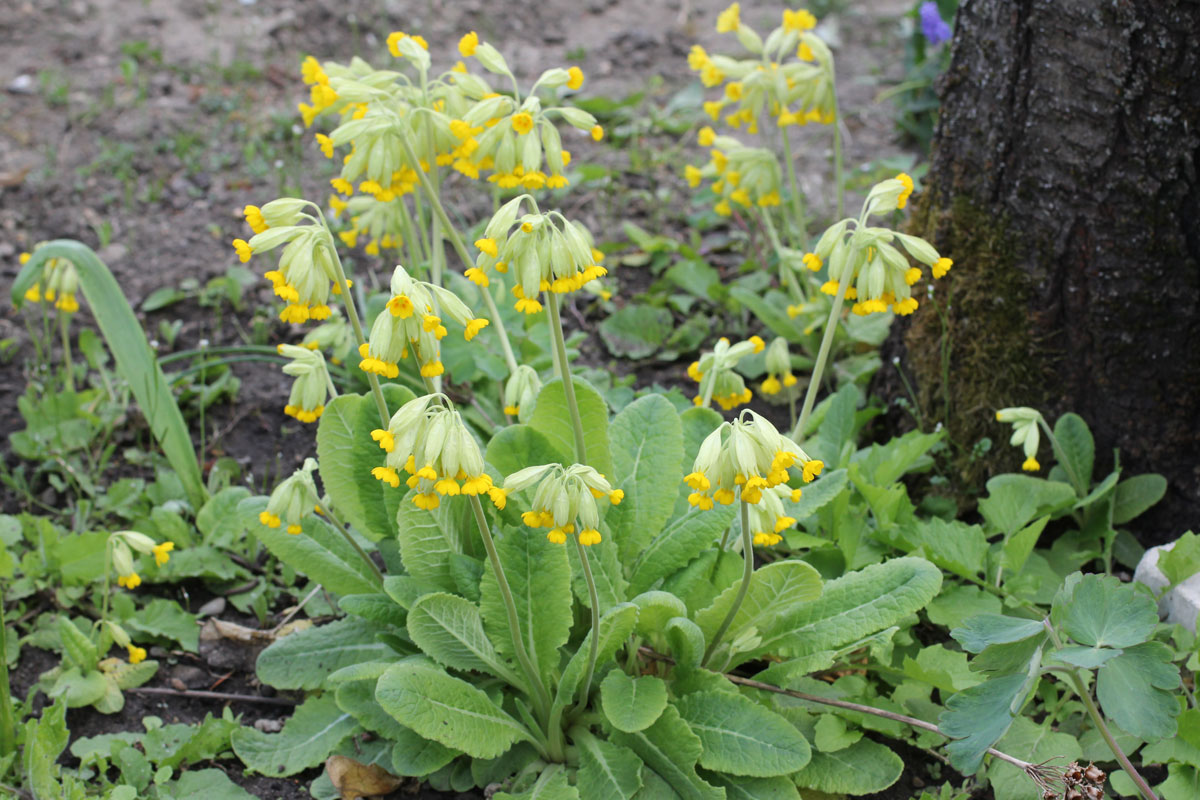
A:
(1064, 186)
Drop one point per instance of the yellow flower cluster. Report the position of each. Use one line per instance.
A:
(788, 78)
(779, 368)
(412, 319)
(122, 545)
(321, 94)
(729, 390)
(747, 176)
(430, 442)
(546, 252)
(1026, 435)
(565, 500)
(879, 276)
(293, 499)
(311, 386)
(57, 285)
(748, 459)
(305, 276)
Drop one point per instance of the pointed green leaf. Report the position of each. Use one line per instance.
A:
(741, 737)
(609, 575)
(679, 542)
(449, 630)
(45, 739)
(976, 717)
(671, 749)
(984, 630)
(647, 441)
(539, 579)
(952, 545)
(705, 577)
(375, 607)
(446, 709)
(412, 754)
(1018, 546)
(552, 419)
(1134, 495)
(862, 768)
(1014, 500)
(1077, 448)
(632, 704)
(606, 771)
(1134, 690)
(428, 538)
(314, 731)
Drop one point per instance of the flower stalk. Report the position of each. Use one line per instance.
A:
(747, 574)
(814, 383)
(560, 347)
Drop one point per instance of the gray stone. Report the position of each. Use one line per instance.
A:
(1181, 604)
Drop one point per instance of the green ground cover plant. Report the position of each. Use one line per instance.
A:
(536, 585)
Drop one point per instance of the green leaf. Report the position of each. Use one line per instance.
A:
(1033, 743)
(164, 619)
(1103, 612)
(705, 577)
(1016, 548)
(977, 717)
(77, 646)
(519, 446)
(817, 495)
(417, 756)
(777, 596)
(1134, 689)
(413, 755)
(887, 463)
(984, 630)
(136, 362)
(1182, 783)
(376, 607)
(862, 768)
(446, 709)
(859, 604)
(302, 660)
(1182, 561)
(1014, 500)
(1135, 495)
(449, 630)
(741, 737)
(348, 454)
(831, 735)
(429, 538)
(944, 669)
(207, 784)
(632, 704)
(1076, 447)
(654, 609)
(606, 771)
(958, 603)
(741, 788)
(314, 731)
(45, 739)
(539, 578)
(954, 546)
(683, 539)
(774, 318)
(647, 441)
(611, 586)
(686, 641)
(635, 331)
(552, 419)
(671, 749)
(616, 626)
(218, 520)
(319, 551)
(1086, 657)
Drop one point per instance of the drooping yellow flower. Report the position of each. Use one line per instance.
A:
(902, 200)
(522, 122)
(162, 552)
(729, 19)
(575, 81)
(799, 20)
(136, 654)
(468, 43)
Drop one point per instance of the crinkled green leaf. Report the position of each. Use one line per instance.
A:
(1014, 500)
(678, 543)
(743, 788)
(304, 659)
(606, 771)
(552, 419)
(519, 446)
(952, 545)
(671, 749)
(428, 538)
(862, 768)
(449, 629)
(741, 737)
(632, 704)
(616, 626)
(635, 331)
(647, 441)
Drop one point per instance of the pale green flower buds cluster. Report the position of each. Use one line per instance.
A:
(310, 388)
(430, 442)
(412, 318)
(748, 176)
(779, 367)
(334, 335)
(565, 500)
(306, 275)
(520, 391)
(880, 276)
(58, 284)
(717, 366)
(293, 499)
(1026, 433)
(546, 253)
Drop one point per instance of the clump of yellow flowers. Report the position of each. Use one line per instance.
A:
(312, 384)
(413, 319)
(779, 368)
(714, 371)
(565, 500)
(57, 285)
(749, 460)
(1025, 422)
(430, 442)
(121, 547)
(747, 176)
(293, 499)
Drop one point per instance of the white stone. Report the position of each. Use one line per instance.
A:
(1181, 604)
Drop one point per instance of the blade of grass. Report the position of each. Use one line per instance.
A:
(136, 362)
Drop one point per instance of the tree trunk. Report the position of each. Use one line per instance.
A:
(1064, 186)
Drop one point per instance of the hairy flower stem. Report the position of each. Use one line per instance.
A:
(541, 697)
(801, 226)
(747, 574)
(814, 383)
(68, 366)
(324, 509)
(1101, 725)
(594, 599)
(560, 347)
(786, 276)
(461, 249)
(356, 324)
(838, 167)
(8, 734)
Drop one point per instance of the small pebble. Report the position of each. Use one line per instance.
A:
(22, 84)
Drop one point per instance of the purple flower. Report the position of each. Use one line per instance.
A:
(932, 25)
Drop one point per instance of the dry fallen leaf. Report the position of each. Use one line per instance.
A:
(355, 780)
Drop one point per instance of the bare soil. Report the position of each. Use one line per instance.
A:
(142, 127)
